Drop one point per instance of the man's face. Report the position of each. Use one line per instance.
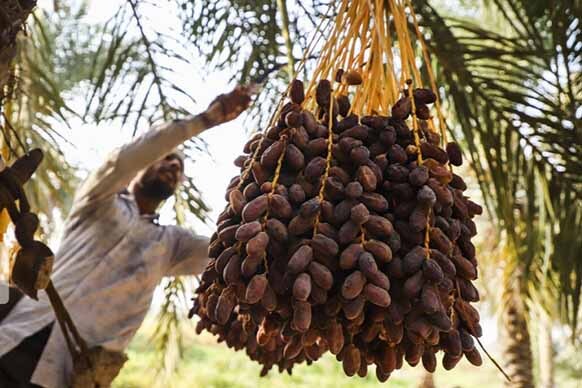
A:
(162, 178)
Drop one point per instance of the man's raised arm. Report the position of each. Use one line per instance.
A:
(125, 162)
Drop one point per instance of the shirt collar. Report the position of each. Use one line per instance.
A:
(153, 218)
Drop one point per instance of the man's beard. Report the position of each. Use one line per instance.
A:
(157, 189)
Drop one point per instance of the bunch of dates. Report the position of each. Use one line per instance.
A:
(345, 241)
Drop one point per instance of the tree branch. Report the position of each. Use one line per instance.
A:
(151, 61)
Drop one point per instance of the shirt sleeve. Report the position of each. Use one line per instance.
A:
(190, 254)
(125, 162)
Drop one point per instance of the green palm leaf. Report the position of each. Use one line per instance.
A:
(514, 99)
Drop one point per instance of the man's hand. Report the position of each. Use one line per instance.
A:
(229, 106)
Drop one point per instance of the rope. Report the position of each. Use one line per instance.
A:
(66, 324)
(60, 319)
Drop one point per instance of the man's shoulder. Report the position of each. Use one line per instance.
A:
(84, 208)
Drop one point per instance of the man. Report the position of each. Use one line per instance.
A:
(113, 254)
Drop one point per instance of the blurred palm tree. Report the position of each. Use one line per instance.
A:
(515, 97)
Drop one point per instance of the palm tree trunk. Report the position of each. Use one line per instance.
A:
(426, 380)
(517, 347)
(546, 349)
(13, 14)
